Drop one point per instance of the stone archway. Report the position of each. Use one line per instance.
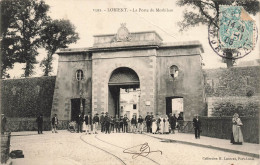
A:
(122, 77)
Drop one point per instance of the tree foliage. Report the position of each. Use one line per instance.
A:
(22, 21)
(206, 12)
(57, 34)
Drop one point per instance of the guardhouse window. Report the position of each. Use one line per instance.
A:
(134, 106)
(174, 71)
(79, 75)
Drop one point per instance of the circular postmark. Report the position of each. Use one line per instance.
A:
(232, 35)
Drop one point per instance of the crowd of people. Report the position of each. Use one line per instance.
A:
(161, 124)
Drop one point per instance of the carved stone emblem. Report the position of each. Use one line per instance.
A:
(123, 34)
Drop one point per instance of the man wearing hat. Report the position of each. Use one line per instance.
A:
(172, 121)
(79, 121)
(107, 122)
(95, 123)
(148, 120)
(88, 121)
(102, 122)
(197, 126)
(3, 123)
(39, 121)
(121, 123)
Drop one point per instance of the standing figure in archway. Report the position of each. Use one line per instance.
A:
(125, 123)
(140, 124)
(133, 124)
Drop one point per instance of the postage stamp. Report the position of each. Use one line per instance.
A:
(235, 28)
(236, 32)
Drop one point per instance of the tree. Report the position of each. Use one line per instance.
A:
(206, 12)
(57, 34)
(21, 24)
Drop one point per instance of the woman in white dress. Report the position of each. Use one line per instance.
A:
(154, 125)
(161, 125)
(166, 126)
(84, 126)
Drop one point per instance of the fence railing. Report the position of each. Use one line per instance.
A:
(221, 127)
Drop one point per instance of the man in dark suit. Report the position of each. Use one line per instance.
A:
(88, 121)
(148, 121)
(197, 126)
(107, 122)
(102, 123)
(39, 121)
(95, 123)
(79, 121)
(172, 121)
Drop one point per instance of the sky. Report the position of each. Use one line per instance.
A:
(88, 22)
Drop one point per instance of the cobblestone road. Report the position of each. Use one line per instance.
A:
(105, 149)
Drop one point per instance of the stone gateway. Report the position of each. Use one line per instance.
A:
(89, 79)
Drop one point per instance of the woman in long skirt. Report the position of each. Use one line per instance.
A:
(161, 125)
(154, 125)
(166, 126)
(236, 136)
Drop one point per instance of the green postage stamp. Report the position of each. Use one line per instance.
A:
(236, 28)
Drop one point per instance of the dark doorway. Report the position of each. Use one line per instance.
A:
(174, 105)
(75, 108)
(168, 105)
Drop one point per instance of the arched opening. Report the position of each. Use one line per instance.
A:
(123, 81)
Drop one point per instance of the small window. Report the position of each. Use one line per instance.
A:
(79, 75)
(174, 71)
(134, 106)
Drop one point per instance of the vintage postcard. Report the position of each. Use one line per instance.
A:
(95, 82)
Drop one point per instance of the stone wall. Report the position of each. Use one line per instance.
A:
(27, 97)
(15, 124)
(67, 87)
(221, 127)
(141, 61)
(236, 81)
(188, 84)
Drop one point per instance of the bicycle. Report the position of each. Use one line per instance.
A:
(72, 126)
